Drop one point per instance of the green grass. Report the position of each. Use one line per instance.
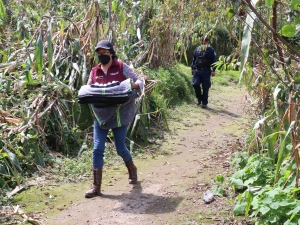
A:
(226, 77)
(174, 86)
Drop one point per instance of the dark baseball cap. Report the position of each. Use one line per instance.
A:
(204, 38)
(104, 44)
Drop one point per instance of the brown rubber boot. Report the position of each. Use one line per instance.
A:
(96, 189)
(132, 170)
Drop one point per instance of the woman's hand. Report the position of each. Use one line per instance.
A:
(134, 85)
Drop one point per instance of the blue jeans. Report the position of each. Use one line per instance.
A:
(202, 77)
(100, 136)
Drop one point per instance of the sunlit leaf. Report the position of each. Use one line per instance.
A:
(62, 26)
(236, 182)
(138, 33)
(2, 11)
(220, 178)
(185, 57)
(72, 79)
(218, 190)
(49, 44)
(269, 2)
(275, 93)
(295, 4)
(230, 13)
(9, 85)
(281, 154)
(264, 209)
(28, 76)
(239, 208)
(131, 145)
(266, 56)
(288, 30)
(131, 29)
(114, 6)
(136, 119)
(76, 67)
(249, 198)
(260, 123)
(246, 41)
(14, 160)
(39, 54)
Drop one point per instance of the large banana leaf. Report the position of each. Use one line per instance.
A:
(246, 41)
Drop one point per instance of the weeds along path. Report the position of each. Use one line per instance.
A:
(171, 185)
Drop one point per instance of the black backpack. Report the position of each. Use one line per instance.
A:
(202, 59)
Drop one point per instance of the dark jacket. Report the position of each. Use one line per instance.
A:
(209, 56)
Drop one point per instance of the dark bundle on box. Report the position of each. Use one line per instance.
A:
(101, 95)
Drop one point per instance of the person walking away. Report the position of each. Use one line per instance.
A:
(116, 117)
(202, 69)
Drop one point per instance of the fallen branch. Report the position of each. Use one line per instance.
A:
(6, 117)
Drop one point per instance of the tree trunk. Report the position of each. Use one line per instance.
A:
(110, 22)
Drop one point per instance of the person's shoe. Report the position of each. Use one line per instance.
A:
(204, 106)
(96, 188)
(198, 103)
(132, 171)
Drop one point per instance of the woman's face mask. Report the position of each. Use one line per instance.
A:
(104, 59)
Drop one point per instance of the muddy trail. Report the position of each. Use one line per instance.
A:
(171, 185)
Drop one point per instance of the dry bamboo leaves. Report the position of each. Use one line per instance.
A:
(6, 117)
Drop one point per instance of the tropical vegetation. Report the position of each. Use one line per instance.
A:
(268, 169)
(46, 53)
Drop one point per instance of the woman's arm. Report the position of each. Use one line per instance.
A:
(137, 81)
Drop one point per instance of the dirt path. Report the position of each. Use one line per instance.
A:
(171, 186)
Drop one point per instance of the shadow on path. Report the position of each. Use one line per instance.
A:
(223, 111)
(137, 202)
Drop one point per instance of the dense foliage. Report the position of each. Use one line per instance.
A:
(268, 170)
(46, 53)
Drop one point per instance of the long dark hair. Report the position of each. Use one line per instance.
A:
(114, 55)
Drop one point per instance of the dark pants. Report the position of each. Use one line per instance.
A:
(202, 78)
